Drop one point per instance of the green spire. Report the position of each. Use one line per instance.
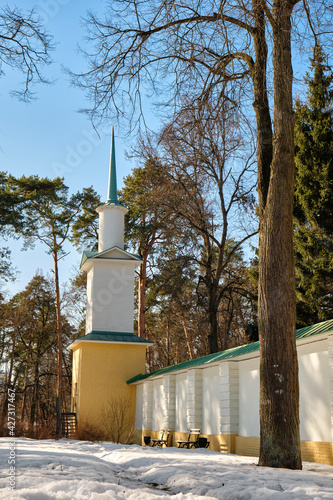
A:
(112, 189)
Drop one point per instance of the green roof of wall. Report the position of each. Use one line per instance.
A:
(301, 333)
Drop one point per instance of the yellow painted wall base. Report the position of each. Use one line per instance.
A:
(247, 446)
(100, 372)
(228, 443)
(312, 451)
(223, 442)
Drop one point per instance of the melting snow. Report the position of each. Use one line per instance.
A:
(75, 470)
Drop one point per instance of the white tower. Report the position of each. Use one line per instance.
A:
(111, 270)
(109, 354)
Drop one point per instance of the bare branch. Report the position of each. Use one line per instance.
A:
(25, 46)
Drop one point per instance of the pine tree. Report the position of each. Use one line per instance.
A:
(49, 214)
(313, 221)
(146, 225)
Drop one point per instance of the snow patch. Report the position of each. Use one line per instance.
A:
(79, 470)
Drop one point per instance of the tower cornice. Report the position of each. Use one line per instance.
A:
(114, 206)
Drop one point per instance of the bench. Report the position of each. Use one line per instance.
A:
(193, 440)
(163, 441)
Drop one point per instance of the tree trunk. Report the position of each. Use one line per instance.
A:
(187, 337)
(211, 283)
(35, 394)
(279, 393)
(212, 318)
(8, 380)
(142, 295)
(229, 315)
(59, 328)
(25, 387)
(168, 344)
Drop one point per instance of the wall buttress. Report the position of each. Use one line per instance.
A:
(147, 407)
(229, 397)
(194, 399)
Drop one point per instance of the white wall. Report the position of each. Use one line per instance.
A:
(249, 398)
(157, 420)
(111, 226)
(90, 280)
(210, 401)
(139, 405)
(315, 414)
(181, 403)
(315, 411)
(112, 296)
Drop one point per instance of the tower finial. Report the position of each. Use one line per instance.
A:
(112, 189)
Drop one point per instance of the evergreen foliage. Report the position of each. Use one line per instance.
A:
(29, 353)
(85, 228)
(48, 214)
(313, 212)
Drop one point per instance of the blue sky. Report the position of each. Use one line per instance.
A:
(48, 137)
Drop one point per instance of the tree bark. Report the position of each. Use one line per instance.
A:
(59, 328)
(35, 394)
(8, 384)
(279, 393)
(26, 378)
(212, 318)
(187, 337)
(142, 295)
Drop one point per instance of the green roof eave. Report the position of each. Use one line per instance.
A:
(204, 360)
(301, 333)
(141, 376)
(95, 254)
(123, 337)
(87, 255)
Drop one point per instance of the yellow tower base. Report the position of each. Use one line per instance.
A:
(100, 394)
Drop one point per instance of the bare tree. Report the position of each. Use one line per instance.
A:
(200, 49)
(210, 173)
(24, 46)
(116, 420)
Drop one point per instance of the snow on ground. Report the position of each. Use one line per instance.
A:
(75, 470)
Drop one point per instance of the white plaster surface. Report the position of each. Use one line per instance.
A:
(315, 414)
(157, 420)
(90, 280)
(181, 403)
(194, 399)
(169, 402)
(249, 398)
(139, 407)
(147, 405)
(111, 227)
(210, 400)
(112, 296)
(229, 397)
